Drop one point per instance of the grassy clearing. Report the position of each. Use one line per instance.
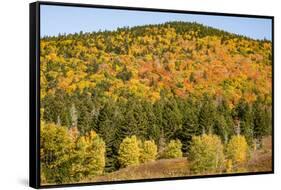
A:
(155, 169)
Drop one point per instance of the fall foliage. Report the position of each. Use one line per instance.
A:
(117, 99)
(206, 154)
(237, 150)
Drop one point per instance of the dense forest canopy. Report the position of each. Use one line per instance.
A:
(158, 82)
(176, 58)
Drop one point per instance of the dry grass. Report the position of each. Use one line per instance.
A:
(261, 160)
(156, 169)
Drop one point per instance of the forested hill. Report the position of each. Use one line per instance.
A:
(174, 58)
(158, 82)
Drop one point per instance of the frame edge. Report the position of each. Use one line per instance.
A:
(34, 167)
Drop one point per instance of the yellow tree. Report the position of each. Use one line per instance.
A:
(129, 152)
(148, 151)
(237, 150)
(89, 158)
(206, 154)
(173, 149)
(56, 148)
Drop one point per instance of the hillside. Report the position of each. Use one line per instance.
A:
(172, 86)
(176, 58)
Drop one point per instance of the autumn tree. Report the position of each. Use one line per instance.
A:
(89, 158)
(237, 150)
(173, 149)
(148, 151)
(206, 154)
(56, 149)
(129, 152)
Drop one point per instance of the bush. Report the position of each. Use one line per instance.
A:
(173, 149)
(206, 154)
(148, 151)
(237, 149)
(129, 152)
(89, 159)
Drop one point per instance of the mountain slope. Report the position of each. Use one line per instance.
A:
(175, 58)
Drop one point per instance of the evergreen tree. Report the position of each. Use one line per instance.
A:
(243, 117)
(207, 115)
(261, 124)
(108, 125)
(190, 125)
(171, 118)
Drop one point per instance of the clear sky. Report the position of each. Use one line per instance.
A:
(64, 19)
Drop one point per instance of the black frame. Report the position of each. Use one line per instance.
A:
(34, 93)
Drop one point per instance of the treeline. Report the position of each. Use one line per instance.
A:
(180, 27)
(167, 119)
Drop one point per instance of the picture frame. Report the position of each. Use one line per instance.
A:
(35, 93)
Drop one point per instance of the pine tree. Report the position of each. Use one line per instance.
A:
(243, 115)
(171, 118)
(190, 125)
(207, 116)
(261, 124)
(109, 122)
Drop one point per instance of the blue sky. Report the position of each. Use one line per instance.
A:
(63, 19)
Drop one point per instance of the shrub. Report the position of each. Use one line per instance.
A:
(148, 151)
(129, 152)
(206, 154)
(237, 149)
(173, 149)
